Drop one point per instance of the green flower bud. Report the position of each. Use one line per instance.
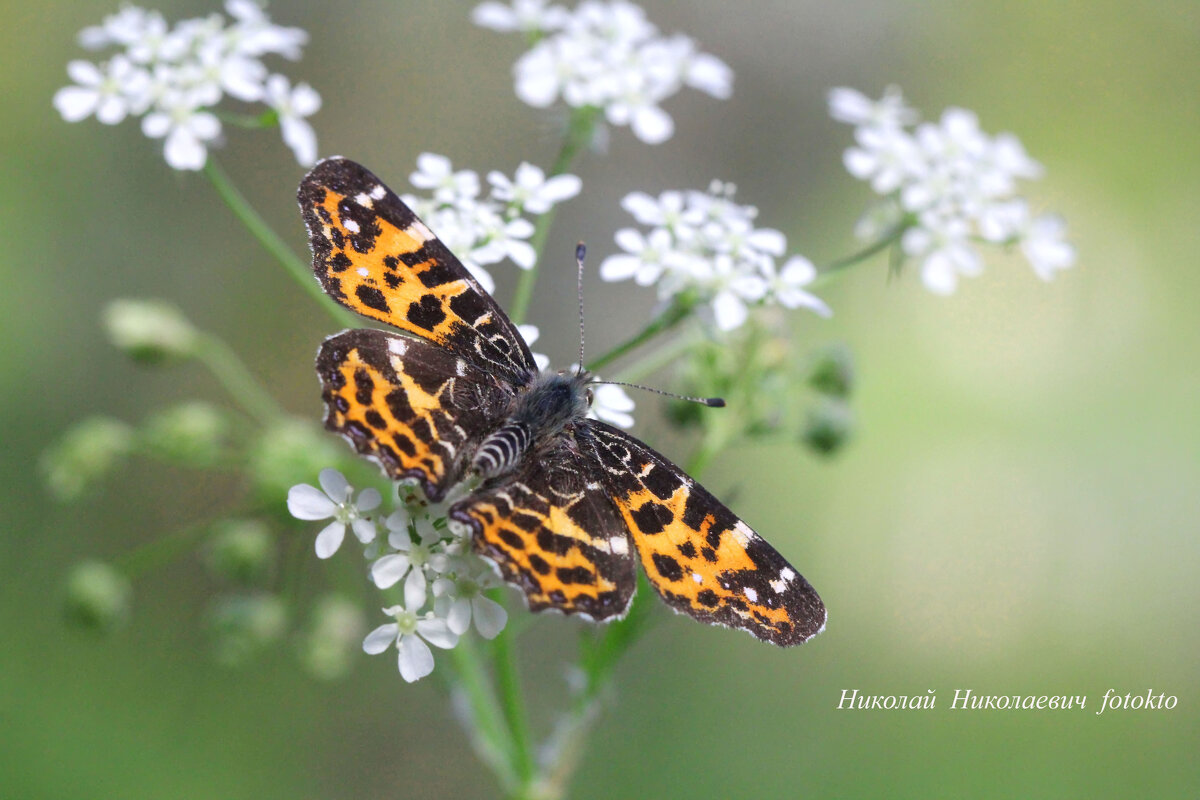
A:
(832, 371)
(191, 433)
(245, 626)
(150, 331)
(97, 597)
(828, 426)
(334, 639)
(85, 454)
(240, 550)
(288, 453)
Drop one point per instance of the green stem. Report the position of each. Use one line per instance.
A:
(237, 380)
(157, 552)
(884, 242)
(270, 240)
(491, 739)
(512, 702)
(580, 130)
(671, 316)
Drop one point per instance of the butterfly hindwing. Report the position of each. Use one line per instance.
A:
(373, 255)
(554, 533)
(416, 408)
(700, 557)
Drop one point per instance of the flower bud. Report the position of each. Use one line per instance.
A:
(97, 597)
(290, 453)
(150, 331)
(828, 426)
(832, 371)
(190, 433)
(334, 639)
(84, 455)
(244, 626)
(240, 550)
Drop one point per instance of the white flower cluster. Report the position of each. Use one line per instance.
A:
(443, 580)
(605, 55)
(486, 230)
(947, 186)
(704, 243)
(176, 76)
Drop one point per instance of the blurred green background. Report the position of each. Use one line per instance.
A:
(1017, 515)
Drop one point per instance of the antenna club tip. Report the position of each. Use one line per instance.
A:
(580, 251)
(715, 402)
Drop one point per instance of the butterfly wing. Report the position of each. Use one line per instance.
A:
(554, 533)
(699, 556)
(373, 255)
(415, 407)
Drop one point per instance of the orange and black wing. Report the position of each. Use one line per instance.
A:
(416, 408)
(554, 533)
(373, 255)
(699, 556)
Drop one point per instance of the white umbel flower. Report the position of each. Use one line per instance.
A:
(294, 105)
(409, 633)
(335, 499)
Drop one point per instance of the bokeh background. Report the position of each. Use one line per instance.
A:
(1018, 513)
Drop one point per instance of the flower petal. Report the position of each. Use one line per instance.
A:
(308, 502)
(330, 539)
(490, 617)
(437, 633)
(388, 570)
(415, 659)
(381, 638)
(335, 485)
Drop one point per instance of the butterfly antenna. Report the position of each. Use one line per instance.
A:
(711, 402)
(580, 252)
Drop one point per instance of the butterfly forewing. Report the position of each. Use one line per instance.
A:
(700, 557)
(373, 255)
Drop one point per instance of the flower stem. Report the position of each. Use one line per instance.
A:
(270, 240)
(671, 316)
(579, 134)
(237, 380)
(887, 240)
(512, 703)
(491, 740)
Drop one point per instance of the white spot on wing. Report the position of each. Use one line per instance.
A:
(419, 232)
(363, 271)
(778, 586)
(378, 192)
(618, 545)
(751, 595)
(350, 225)
(397, 345)
(786, 574)
(742, 533)
(697, 577)
(363, 200)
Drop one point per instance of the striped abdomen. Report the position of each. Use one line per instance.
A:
(501, 451)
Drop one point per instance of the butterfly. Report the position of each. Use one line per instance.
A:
(566, 506)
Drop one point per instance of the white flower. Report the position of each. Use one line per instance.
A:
(611, 404)
(607, 55)
(410, 633)
(505, 239)
(946, 185)
(410, 559)
(110, 94)
(293, 105)
(522, 16)
(733, 290)
(1043, 244)
(187, 130)
(646, 258)
(460, 600)
(945, 254)
(855, 108)
(255, 34)
(434, 172)
(787, 286)
(886, 156)
(530, 334)
(665, 212)
(336, 502)
(531, 191)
